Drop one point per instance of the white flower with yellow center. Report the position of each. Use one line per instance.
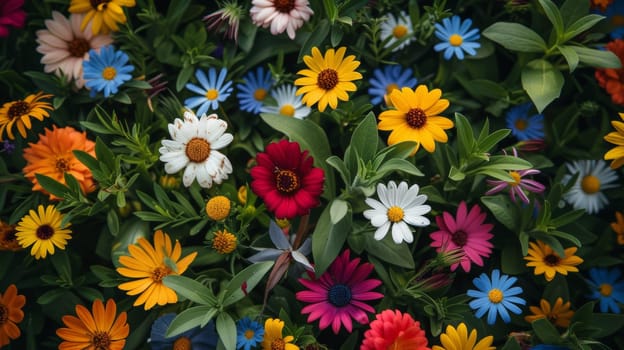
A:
(397, 208)
(194, 146)
(287, 103)
(594, 176)
(397, 29)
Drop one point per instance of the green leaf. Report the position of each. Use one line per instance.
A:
(554, 16)
(396, 164)
(546, 331)
(51, 296)
(88, 160)
(112, 222)
(388, 251)
(251, 275)
(188, 319)
(584, 313)
(503, 210)
(315, 39)
(508, 163)
(515, 37)
(492, 140)
(580, 25)
(183, 77)
(456, 174)
(465, 136)
(570, 56)
(566, 236)
(328, 239)
(567, 218)
(226, 328)
(52, 186)
(340, 166)
(365, 138)
(597, 58)
(338, 209)
(542, 82)
(607, 324)
(190, 289)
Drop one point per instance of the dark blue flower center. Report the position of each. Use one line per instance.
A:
(339, 295)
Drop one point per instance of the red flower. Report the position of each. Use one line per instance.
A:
(612, 79)
(394, 330)
(286, 180)
(11, 14)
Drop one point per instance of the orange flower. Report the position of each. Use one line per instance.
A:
(559, 314)
(53, 156)
(618, 227)
(609, 78)
(8, 239)
(100, 330)
(10, 314)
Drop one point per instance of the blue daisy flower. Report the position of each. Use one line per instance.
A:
(524, 126)
(248, 333)
(197, 338)
(213, 89)
(253, 92)
(607, 287)
(106, 70)
(457, 38)
(388, 78)
(495, 296)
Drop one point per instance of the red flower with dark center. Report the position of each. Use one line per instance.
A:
(286, 180)
(612, 79)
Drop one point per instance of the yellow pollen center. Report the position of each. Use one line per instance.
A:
(590, 184)
(260, 94)
(278, 344)
(605, 289)
(197, 150)
(399, 31)
(521, 124)
(212, 94)
(456, 40)
(249, 334)
(395, 214)
(182, 343)
(495, 295)
(159, 273)
(109, 73)
(218, 208)
(391, 87)
(516, 176)
(287, 110)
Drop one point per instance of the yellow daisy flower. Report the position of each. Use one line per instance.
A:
(618, 227)
(328, 78)
(42, 229)
(415, 117)
(148, 264)
(105, 15)
(559, 314)
(273, 336)
(18, 113)
(459, 339)
(616, 154)
(547, 262)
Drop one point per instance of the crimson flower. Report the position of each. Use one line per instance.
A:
(11, 14)
(286, 180)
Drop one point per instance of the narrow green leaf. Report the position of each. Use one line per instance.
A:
(112, 222)
(183, 77)
(338, 209)
(580, 25)
(492, 140)
(251, 275)
(567, 218)
(465, 136)
(187, 320)
(546, 331)
(88, 160)
(554, 16)
(597, 58)
(508, 163)
(52, 186)
(570, 56)
(395, 164)
(226, 328)
(190, 289)
(542, 82)
(515, 37)
(315, 40)
(567, 237)
(388, 251)
(503, 210)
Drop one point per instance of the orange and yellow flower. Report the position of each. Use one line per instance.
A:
(43, 231)
(11, 314)
(8, 238)
(18, 114)
(273, 338)
(559, 314)
(104, 15)
(547, 262)
(459, 339)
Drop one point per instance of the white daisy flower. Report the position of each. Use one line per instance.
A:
(397, 28)
(593, 177)
(287, 103)
(399, 207)
(194, 146)
(281, 15)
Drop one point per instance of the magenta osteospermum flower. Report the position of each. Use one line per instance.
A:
(339, 294)
(466, 232)
(519, 185)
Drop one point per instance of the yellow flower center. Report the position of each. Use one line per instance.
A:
(218, 208)
(197, 150)
(495, 295)
(416, 118)
(17, 109)
(516, 178)
(391, 87)
(456, 40)
(224, 242)
(287, 110)
(284, 6)
(212, 94)
(399, 31)
(249, 334)
(286, 181)
(159, 273)
(521, 124)
(101, 340)
(590, 184)
(605, 289)
(182, 343)
(260, 94)
(327, 79)
(4, 314)
(109, 73)
(44, 232)
(278, 344)
(395, 214)
(78, 47)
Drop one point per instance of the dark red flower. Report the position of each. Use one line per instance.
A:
(286, 180)
(11, 14)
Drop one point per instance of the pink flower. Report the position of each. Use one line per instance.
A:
(394, 330)
(466, 232)
(339, 294)
(519, 185)
(281, 15)
(11, 14)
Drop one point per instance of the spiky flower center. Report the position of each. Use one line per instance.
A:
(286, 181)
(224, 242)
(62, 164)
(456, 40)
(495, 295)
(44, 232)
(182, 343)
(278, 344)
(212, 94)
(605, 289)
(516, 178)
(399, 31)
(288, 110)
(590, 184)
(249, 334)
(109, 73)
(339, 295)
(78, 47)
(260, 94)
(159, 273)
(552, 260)
(4, 314)
(459, 238)
(99, 5)
(327, 79)
(395, 214)
(284, 6)
(101, 340)
(18, 109)
(521, 124)
(197, 150)
(416, 118)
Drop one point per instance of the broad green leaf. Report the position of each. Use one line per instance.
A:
(572, 10)
(396, 164)
(251, 275)
(485, 88)
(226, 328)
(508, 163)
(341, 168)
(190, 289)
(515, 37)
(542, 82)
(503, 209)
(388, 251)
(597, 58)
(567, 237)
(607, 324)
(492, 140)
(112, 222)
(338, 209)
(546, 331)
(465, 136)
(328, 239)
(88, 160)
(51, 296)
(188, 319)
(570, 56)
(49, 184)
(580, 25)
(456, 174)
(183, 77)
(365, 138)
(557, 288)
(554, 16)
(567, 218)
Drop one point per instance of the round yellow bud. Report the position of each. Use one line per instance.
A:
(218, 208)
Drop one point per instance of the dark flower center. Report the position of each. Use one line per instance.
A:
(552, 260)
(9, 235)
(44, 231)
(18, 109)
(198, 150)
(286, 181)
(182, 343)
(284, 6)
(4, 314)
(278, 344)
(159, 273)
(339, 295)
(62, 165)
(460, 238)
(97, 3)
(327, 79)
(78, 47)
(101, 340)
(416, 118)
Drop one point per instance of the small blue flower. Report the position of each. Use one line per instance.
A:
(254, 91)
(106, 70)
(388, 78)
(524, 126)
(213, 89)
(548, 347)
(495, 296)
(248, 333)
(457, 38)
(197, 338)
(607, 287)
